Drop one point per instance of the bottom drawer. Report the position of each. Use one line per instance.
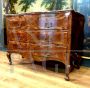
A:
(48, 52)
(38, 52)
(62, 57)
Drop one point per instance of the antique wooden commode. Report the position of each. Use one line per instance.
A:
(55, 35)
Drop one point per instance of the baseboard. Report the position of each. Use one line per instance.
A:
(3, 49)
(85, 57)
(86, 61)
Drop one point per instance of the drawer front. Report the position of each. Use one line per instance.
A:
(13, 45)
(48, 21)
(48, 52)
(20, 36)
(37, 21)
(43, 36)
(48, 36)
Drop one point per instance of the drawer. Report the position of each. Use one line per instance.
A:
(43, 36)
(20, 36)
(48, 52)
(15, 21)
(49, 36)
(13, 45)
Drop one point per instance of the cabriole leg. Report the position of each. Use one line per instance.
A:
(9, 58)
(67, 71)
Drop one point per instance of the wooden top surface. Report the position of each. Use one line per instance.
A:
(49, 12)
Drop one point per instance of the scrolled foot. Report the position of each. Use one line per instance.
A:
(67, 71)
(67, 78)
(9, 58)
(77, 66)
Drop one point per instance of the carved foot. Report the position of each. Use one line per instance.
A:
(76, 64)
(76, 60)
(9, 58)
(67, 71)
(67, 77)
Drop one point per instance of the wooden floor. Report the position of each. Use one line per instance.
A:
(35, 76)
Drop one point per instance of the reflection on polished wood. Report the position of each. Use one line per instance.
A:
(35, 76)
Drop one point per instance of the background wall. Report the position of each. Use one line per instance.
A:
(83, 6)
(1, 27)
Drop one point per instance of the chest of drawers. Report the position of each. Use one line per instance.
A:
(41, 36)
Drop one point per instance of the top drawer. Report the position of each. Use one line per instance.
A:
(39, 21)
